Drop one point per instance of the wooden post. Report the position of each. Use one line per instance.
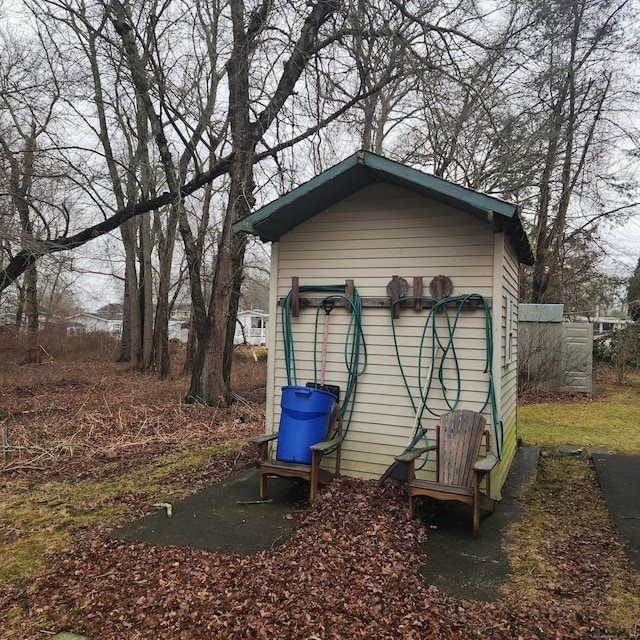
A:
(295, 297)
(348, 292)
(395, 295)
(417, 291)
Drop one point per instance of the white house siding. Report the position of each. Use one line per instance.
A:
(255, 336)
(92, 323)
(369, 237)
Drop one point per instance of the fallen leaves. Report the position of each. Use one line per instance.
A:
(351, 570)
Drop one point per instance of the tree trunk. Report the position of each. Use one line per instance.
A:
(211, 377)
(210, 380)
(131, 298)
(125, 340)
(225, 292)
(190, 351)
(238, 253)
(166, 244)
(32, 353)
(146, 292)
(20, 184)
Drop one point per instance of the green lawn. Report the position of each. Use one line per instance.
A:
(611, 419)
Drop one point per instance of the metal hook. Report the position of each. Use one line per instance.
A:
(327, 305)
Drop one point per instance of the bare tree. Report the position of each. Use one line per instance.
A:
(193, 112)
(576, 91)
(27, 119)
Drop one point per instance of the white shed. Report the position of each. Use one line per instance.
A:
(428, 270)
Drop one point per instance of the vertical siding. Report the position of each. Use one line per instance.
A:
(577, 342)
(369, 237)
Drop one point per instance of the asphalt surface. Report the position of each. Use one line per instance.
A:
(475, 568)
(619, 478)
(228, 517)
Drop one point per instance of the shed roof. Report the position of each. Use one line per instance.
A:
(540, 312)
(364, 168)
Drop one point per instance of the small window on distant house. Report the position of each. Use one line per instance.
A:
(509, 332)
(256, 323)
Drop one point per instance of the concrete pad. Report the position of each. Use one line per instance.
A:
(227, 517)
(475, 568)
(218, 519)
(619, 478)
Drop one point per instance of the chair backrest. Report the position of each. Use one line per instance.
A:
(459, 439)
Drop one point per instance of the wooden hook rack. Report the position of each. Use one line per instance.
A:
(397, 290)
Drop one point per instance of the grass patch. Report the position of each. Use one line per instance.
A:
(565, 510)
(26, 557)
(38, 518)
(612, 420)
(542, 547)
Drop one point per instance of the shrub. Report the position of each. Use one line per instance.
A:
(625, 349)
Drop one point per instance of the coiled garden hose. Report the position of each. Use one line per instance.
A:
(442, 348)
(355, 348)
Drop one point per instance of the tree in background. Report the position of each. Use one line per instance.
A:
(35, 207)
(184, 116)
(633, 294)
(578, 86)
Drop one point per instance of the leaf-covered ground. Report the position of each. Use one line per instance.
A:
(351, 570)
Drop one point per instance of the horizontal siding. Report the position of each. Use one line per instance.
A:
(369, 237)
(507, 378)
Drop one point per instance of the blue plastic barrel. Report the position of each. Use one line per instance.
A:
(306, 412)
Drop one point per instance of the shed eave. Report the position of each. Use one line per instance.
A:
(362, 169)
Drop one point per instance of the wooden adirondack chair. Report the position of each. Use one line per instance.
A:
(311, 472)
(459, 472)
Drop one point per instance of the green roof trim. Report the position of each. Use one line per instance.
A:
(365, 168)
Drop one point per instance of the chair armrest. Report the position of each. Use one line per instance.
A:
(327, 444)
(263, 439)
(413, 454)
(486, 464)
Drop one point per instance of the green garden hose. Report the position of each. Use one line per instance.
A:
(443, 348)
(355, 348)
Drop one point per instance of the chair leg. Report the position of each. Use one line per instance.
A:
(411, 508)
(263, 486)
(313, 479)
(476, 508)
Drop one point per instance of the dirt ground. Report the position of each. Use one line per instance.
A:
(89, 445)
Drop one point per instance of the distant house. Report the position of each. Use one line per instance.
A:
(107, 319)
(605, 324)
(81, 323)
(112, 311)
(178, 330)
(251, 327)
